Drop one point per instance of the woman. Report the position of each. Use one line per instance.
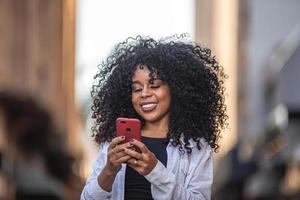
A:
(176, 89)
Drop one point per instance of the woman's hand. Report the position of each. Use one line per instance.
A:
(143, 162)
(116, 155)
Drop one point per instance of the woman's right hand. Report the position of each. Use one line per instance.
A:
(116, 155)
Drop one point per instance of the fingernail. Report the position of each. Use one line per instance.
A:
(123, 137)
(131, 140)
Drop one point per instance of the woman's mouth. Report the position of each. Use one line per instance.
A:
(148, 107)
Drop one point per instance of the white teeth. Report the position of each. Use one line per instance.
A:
(148, 105)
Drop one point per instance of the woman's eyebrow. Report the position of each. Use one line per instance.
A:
(154, 80)
(135, 82)
(150, 80)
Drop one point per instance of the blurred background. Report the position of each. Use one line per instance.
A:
(50, 51)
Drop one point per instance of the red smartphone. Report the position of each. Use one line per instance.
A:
(130, 128)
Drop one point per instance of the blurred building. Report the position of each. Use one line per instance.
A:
(37, 56)
(267, 116)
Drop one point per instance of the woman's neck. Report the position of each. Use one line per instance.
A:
(156, 129)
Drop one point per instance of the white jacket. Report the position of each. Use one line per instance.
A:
(186, 177)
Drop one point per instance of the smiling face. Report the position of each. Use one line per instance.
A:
(150, 100)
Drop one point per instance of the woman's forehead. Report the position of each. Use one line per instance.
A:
(145, 73)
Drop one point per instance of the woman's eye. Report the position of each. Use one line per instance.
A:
(155, 86)
(137, 90)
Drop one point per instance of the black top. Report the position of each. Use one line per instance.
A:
(136, 185)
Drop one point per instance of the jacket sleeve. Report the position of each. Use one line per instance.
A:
(198, 180)
(92, 190)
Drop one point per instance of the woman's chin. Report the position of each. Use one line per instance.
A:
(150, 118)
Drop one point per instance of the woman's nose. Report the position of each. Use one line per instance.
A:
(146, 92)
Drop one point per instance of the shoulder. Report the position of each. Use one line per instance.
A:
(201, 158)
(204, 146)
(205, 149)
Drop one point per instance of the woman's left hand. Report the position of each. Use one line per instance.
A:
(143, 162)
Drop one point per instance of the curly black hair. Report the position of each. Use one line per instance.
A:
(196, 82)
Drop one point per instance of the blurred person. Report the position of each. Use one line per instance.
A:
(175, 88)
(269, 157)
(6, 187)
(290, 185)
(232, 176)
(39, 165)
